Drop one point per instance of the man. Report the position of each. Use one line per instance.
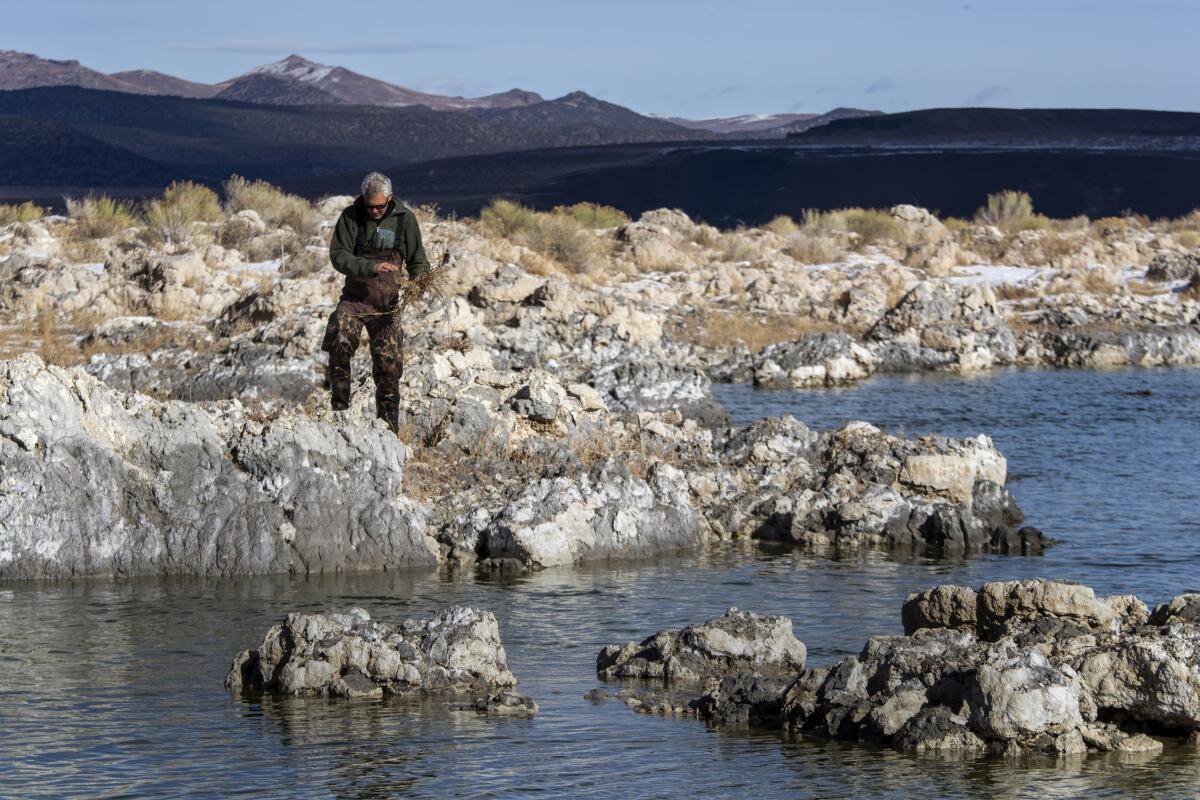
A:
(375, 238)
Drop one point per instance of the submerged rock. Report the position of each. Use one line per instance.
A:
(1019, 666)
(347, 654)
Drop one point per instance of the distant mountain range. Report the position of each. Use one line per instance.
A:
(297, 81)
(756, 126)
(292, 81)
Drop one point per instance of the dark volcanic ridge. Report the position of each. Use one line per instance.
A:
(208, 139)
(1013, 127)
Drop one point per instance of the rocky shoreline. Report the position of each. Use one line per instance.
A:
(1017, 667)
(664, 305)
(519, 470)
(552, 411)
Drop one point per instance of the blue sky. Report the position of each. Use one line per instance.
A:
(694, 58)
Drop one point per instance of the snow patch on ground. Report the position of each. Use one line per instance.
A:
(982, 273)
(265, 267)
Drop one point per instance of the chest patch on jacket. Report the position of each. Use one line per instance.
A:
(384, 238)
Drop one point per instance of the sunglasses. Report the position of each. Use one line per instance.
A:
(379, 207)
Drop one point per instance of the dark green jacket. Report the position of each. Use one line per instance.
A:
(400, 230)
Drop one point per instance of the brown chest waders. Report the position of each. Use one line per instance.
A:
(370, 303)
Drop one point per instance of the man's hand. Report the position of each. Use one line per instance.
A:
(387, 266)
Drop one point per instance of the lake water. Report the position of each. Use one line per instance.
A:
(114, 689)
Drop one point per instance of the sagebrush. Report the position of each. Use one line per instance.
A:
(183, 204)
(272, 204)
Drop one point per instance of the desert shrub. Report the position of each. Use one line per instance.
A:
(100, 217)
(810, 248)
(273, 205)
(735, 247)
(870, 225)
(1135, 219)
(508, 219)
(1186, 229)
(272, 245)
(956, 225)
(564, 240)
(170, 218)
(1071, 224)
(705, 236)
(782, 225)
(1110, 228)
(1188, 239)
(1058, 248)
(1011, 212)
(21, 212)
(1192, 290)
(236, 232)
(308, 261)
(593, 215)
(426, 213)
(1098, 281)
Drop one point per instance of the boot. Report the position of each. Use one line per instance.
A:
(339, 385)
(388, 410)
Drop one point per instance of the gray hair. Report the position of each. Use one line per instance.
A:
(376, 183)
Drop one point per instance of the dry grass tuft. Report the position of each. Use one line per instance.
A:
(810, 248)
(21, 212)
(720, 328)
(593, 215)
(426, 213)
(428, 287)
(1014, 291)
(99, 217)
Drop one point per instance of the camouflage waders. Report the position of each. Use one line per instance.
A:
(370, 303)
